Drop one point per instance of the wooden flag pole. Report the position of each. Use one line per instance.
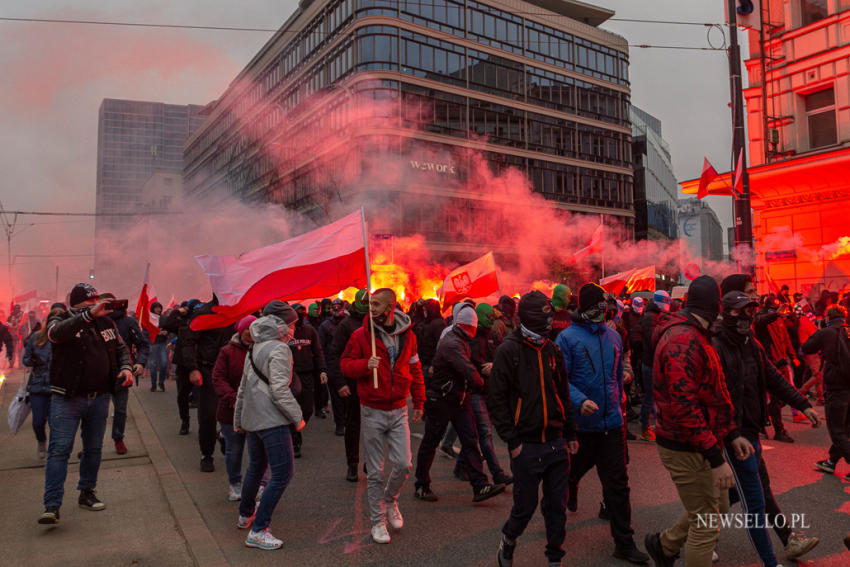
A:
(369, 294)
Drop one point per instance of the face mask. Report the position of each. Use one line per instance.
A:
(594, 314)
(740, 324)
(540, 323)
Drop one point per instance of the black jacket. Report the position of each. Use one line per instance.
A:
(529, 398)
(768, 380)
(483, 347)
(199, 349)
(825, 341)
(647, 326)
(307, 357)
(177, 324)
(76, 338)
(343, 332)
(454, 374)
(427, 336)
(132, 336)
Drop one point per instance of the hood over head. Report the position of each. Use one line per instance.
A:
(269, 328)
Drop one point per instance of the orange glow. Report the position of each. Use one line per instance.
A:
(839, 248)
(545, 286)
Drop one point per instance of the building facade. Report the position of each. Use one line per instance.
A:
(701, 235)
(532, 85)
(656, 188)
(135, 140)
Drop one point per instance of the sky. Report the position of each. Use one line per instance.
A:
(56, 75)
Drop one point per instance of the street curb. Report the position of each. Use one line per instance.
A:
(200, 541)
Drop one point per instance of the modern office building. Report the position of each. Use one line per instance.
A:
(798, 123)
(656, 189)
(701, 235)
(435, 85)
(135, 140)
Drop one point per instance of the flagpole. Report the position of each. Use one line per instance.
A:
(369, 293)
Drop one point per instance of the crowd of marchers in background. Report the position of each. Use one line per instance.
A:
(557, 378)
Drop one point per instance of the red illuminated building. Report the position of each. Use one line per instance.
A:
(798, 124)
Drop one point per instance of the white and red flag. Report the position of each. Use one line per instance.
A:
(147, 320)
(477, 280)
(637, 279)
(319, 263)
(593, 246)
(709, 174)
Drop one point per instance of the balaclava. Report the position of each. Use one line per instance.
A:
(704, 298)
(535, 312)
(742, 322)
(485, 315)
(560, 297)
(361, 302)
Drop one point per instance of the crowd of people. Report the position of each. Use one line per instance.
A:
(556, 377)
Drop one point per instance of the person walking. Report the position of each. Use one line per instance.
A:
(327, 330)
(660, 304)
(89, 360)
(37, 353)
(309, 365)
(177, 322)
(158, 361)
(264, 410)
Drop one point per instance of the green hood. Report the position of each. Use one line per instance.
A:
(313, 310)
(560, 296)
(485, 315)
(361, 303)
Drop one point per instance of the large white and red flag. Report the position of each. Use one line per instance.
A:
(477, 280)
(319, 263)
(593, 246)
(637, 279)
(709, 174)
(147, 320)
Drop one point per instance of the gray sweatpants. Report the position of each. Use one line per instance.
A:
(378, 427)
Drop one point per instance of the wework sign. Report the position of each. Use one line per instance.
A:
(433, 167)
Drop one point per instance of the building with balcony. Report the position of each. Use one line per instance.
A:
(534, 85)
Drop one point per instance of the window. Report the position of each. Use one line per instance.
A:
(820, 114)
(813, 10)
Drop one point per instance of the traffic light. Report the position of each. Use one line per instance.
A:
(91, 273)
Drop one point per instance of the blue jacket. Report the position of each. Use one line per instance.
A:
(39, 359)
(593, 353)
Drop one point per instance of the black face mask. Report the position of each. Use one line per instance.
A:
(540, 322)
(740, 324)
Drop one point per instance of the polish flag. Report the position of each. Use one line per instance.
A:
(316, 264)
(638, 279)
(147, 320)
(594, 246)
(709, 174)
(738, 185)
(477, 280)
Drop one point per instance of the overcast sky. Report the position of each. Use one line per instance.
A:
(55, 76)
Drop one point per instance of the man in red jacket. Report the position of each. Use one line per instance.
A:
(383, 411)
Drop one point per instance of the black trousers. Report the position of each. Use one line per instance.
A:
(337, 406)
(320, 393)
(305, 401)
(352, 426)
(184, 388)
(837, 406)
(607, 452)
(438, 414)
(548, 463)
(207, 405)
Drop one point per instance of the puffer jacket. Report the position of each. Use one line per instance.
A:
(226, 377)
(397, 378)
(259, 405)
(593, 357)
(455, 377)
(37, 358)
(695, 412)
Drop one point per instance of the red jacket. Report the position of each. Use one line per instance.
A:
(695, 412)
(394, 384)
(226, 376)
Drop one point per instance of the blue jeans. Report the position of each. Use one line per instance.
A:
(66, 415)
(647, 408)
(158, 364)
(478, 403)
(749, 491)
(273, 448)
(40, 404)
(234, 445)
(119, 417)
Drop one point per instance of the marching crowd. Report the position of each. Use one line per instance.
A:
(556, 378)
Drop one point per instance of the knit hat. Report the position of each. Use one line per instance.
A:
(735, 282)
(560, 296)
(589, 296)
(485, 315)
(244, 323)
(81, 292)
(704, 298)
(662, 299)
(466, 318)
(281, 310)
(535, 312)
(361, 302)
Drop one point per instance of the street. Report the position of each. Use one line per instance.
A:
(162, 511)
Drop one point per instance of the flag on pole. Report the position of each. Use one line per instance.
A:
(738, 185)
(709, 174)
(637, 279)
(147, 320)
(477, 280)
(593, 246)
(319, 263)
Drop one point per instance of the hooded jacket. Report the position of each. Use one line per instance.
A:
(226, 377)
(38, 358)
(529, 395)
(825, 341)
(593, 358)
(306, 348)
(454, 377)
(259, 405)
(428, 332)
(399, 372)
(695, 412)
(647, 326)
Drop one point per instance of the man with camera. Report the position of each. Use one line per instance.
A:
(89, 362)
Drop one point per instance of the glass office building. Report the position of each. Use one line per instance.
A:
(532, 85)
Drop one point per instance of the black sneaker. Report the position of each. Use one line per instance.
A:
(826, 466)
(339, 431)
(162, 387)
(505, 556)
(89, 501)
(461, 474)
(488, 491)
(50, 516)
(572, 499)
(424, 493)
(153, 388)
(603, 512)
(783, 437)
(652, 542)
(207, 464)
(184, 427)
(351, 475)
(631, 554)
(503, 478)
(296, 451)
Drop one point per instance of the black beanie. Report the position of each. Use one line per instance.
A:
(281, 310)
(735, 282)
(535, 312)
(589, 296)
(704, 298)
(81, 292)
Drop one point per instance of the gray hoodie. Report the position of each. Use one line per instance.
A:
(258, 405)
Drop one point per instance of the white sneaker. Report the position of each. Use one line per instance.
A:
(380, 533)
(260, 493)
(234, 493)
(715, 558)
(394, 516)
(262, 540)
(244, 522)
